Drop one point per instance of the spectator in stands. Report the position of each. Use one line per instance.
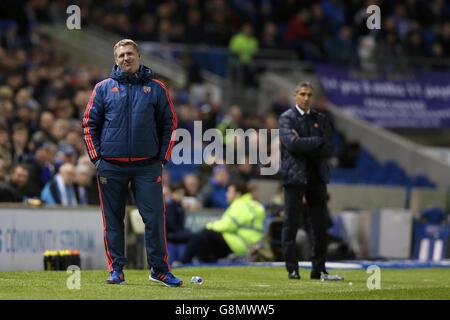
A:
(270, 38)
(297, 33)
(245, 45)
(74, 139)
(2, 169)
(283, 10)
(15, 81)
(195, 30)
(402, 21)
(84, 160)
(281, 103)
(164, 34)
(191, 186)
(19, 148)
(80, 99)
(7, 110)
(14, 189)
(5, 145)
(60, 190)
(60, 128)
(232, 120)
(211, 114)
(415, 46)
(46, 122)
(27, 109)
(341, 49)
(239, 228)
(64, 109)
(85, 191)
(188, 62)
(213, 194)
(335, 11)
(40, 171)
(437, 53)
(389, 50)
(217, 27)
(444, 38)
(65, 154)
(320, 31)
(6, 92)
(244, 171)
(321, 106)
(175, 215)
(146, 28)
(270, 122)
(27, 116)
(10, 38)
(276, 206)
(348, 155)
(367, 53)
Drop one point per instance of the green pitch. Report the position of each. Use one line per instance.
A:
(229, 283)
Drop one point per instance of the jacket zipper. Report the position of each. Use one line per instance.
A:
(129, 121)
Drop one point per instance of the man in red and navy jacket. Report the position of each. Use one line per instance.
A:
(129, 128)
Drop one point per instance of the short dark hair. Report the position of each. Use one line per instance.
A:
(19, 126)
(177, 186)
(240, 186)
(304, 84)
(18, 165)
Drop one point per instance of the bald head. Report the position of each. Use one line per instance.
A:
(67, 172)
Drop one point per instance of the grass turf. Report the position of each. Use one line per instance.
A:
(229, 283)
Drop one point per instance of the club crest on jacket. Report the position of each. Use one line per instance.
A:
(146, 89)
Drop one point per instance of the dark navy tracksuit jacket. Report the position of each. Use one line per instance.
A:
(129, 126)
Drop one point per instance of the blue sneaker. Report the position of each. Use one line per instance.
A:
(116, 277)
(166, 278)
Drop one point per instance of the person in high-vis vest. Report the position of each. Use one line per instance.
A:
(240, 227)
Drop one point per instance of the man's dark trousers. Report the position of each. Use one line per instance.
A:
(316, 197)
(113, 181)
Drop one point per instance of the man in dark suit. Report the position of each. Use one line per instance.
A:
(306, 144)
(13, 190)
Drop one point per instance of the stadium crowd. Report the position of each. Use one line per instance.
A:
(320, 30)
(42, 99)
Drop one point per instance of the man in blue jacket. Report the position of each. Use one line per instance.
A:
(129, 127)
(306, 144)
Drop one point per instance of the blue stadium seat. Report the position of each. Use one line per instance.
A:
(431, 235)
(370, 171)
(178, 171)
(176, 251)
(337, 230)
(422, 181)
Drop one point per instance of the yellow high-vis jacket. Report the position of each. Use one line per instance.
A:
(242, 224)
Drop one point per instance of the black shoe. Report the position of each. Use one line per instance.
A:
(317, 274)
(294, 275)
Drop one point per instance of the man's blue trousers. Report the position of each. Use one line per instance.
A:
(113, 183)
